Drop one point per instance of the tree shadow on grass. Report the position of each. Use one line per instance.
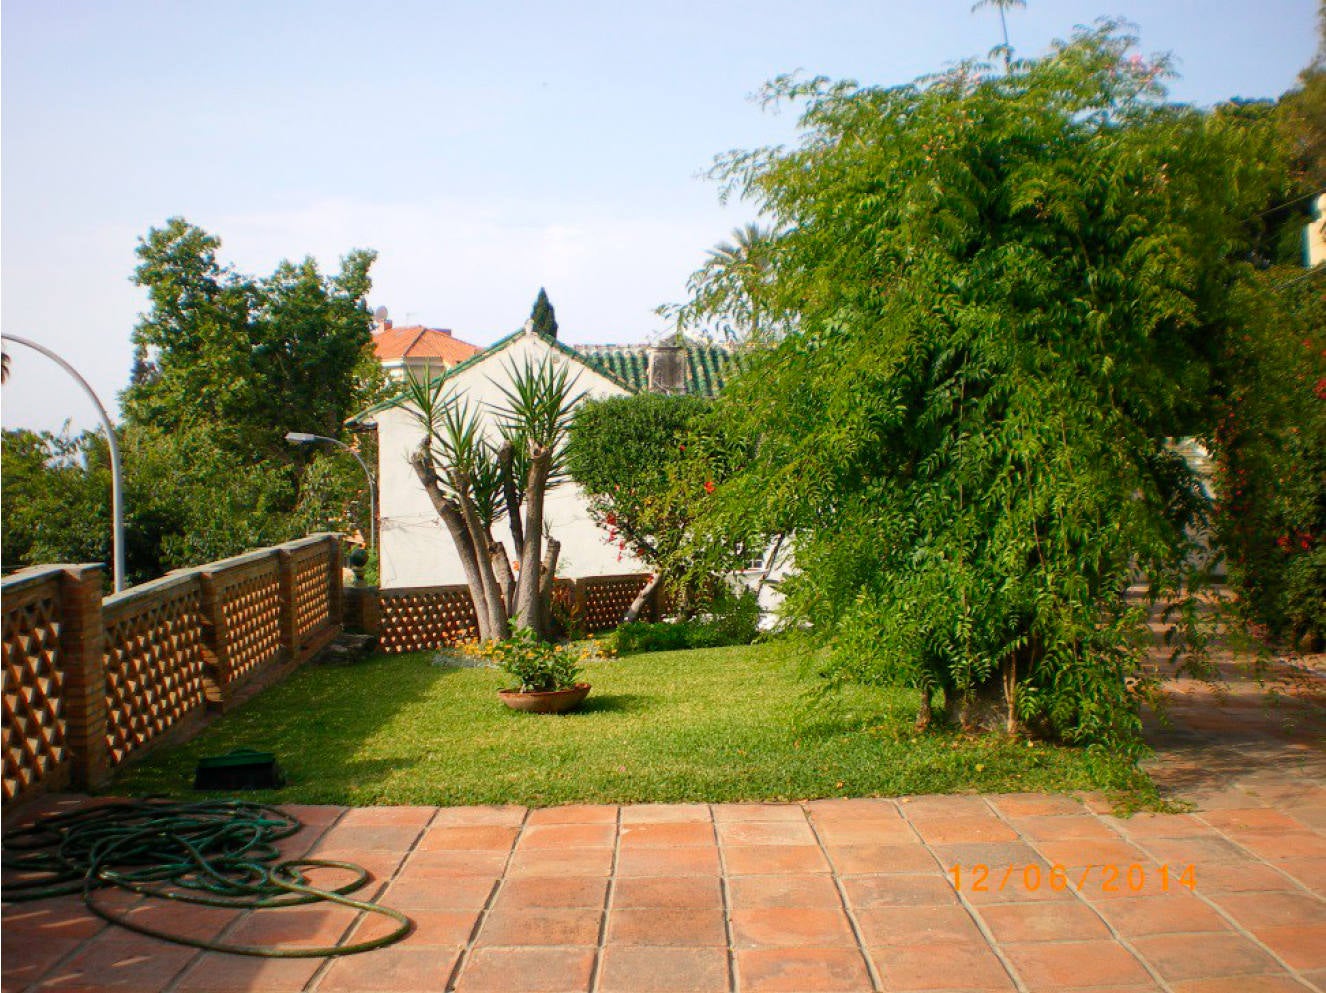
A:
(618, 703)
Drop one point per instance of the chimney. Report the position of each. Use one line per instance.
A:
(380, 321)
(667, 368)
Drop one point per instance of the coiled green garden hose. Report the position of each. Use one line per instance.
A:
(217, 853)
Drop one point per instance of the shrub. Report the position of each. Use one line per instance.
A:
(734, 621)
(538, 665)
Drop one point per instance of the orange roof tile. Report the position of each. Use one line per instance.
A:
(418, 342)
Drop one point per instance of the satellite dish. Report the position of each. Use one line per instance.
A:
(380, 314)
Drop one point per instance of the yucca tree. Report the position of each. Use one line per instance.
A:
(473, 476)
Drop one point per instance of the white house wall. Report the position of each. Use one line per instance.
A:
(416, 548)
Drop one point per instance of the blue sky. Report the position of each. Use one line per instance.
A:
(484, 149)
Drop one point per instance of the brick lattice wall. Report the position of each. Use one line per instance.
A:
(416, 619)
(34, 720)
(153, 657)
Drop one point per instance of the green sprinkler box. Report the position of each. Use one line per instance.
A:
(241, 769)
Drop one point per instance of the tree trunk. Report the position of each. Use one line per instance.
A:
(548, 576)
(451, 516)
(638, 604)
(505, 464)
(527, 588)
(925, 713)
(499, 627)
(992, 706)
(506, 579)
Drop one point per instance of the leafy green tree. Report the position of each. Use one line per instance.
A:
(625, 452)
(543, 315)
(1010, 290)
(248, 358)
(733, 291)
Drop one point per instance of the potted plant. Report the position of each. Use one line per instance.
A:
(546, 673)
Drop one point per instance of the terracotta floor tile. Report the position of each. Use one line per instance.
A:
(216, 973)
(398, 969)
(667, 834)
(1164, 915)
(435, 865)
(321, 924)
(1200, 852)
(431, 927)
(1288, 846)
(1035, 804)
(941, 966)
(1069, 827)
(1238, 877)
(415, 817)
(1253, 819)
(898, 891)
(1075, 854)
(791, 927)
(1146, 825)
(723, 812)
(1303, 946)
(751, 860)
(884, 927)
(765, 833)
(666, 813)
(869, 859)
(875, 831)
(1175, 956)
(1272, 909)
(526, 970)
(799, 970)
(381, 866)
(1015, 855)
(25, 957)
(674, 892)
(693, 861)
(185, 920)
(138, 964)
(627, 969)
(370, 838)
(1075, 964)
(541, 926)
(761, 892)
(537, 836)
(853, 808)
(983, 828)
(58, 917)
(674, 927)
(479, 837)
(574, 814)
(943, 807)
(511, 816)
(429, 893)
(553, 891)
(1280, 983)
(321, 815)
(561, 861)
(1014, 923)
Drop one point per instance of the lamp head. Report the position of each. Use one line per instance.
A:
(300, 438)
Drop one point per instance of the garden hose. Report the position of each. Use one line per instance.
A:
(216, 853)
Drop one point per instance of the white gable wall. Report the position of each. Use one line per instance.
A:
(416, 548)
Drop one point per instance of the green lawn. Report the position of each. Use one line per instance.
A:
(713, 725)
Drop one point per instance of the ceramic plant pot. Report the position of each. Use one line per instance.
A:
(547, 702)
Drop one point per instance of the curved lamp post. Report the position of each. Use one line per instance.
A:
(302, 438)
(117, 481)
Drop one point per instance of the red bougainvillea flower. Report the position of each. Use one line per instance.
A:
(709, 486)
(611, 518)
(1321, 388)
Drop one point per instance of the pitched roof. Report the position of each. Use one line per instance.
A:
(708, 367)
(418, 342)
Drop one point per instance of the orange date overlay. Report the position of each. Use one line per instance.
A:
(1109, 878)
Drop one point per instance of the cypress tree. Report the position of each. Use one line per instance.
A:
(543, 315)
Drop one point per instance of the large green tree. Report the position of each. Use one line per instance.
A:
(248, 358)
(543, 315)
(1010, 289)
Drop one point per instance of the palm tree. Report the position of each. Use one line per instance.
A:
(737, 273)
(1002, 5)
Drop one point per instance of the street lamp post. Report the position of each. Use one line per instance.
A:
(117, 480)
(302, 438)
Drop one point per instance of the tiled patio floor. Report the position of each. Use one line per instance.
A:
(851, 895)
